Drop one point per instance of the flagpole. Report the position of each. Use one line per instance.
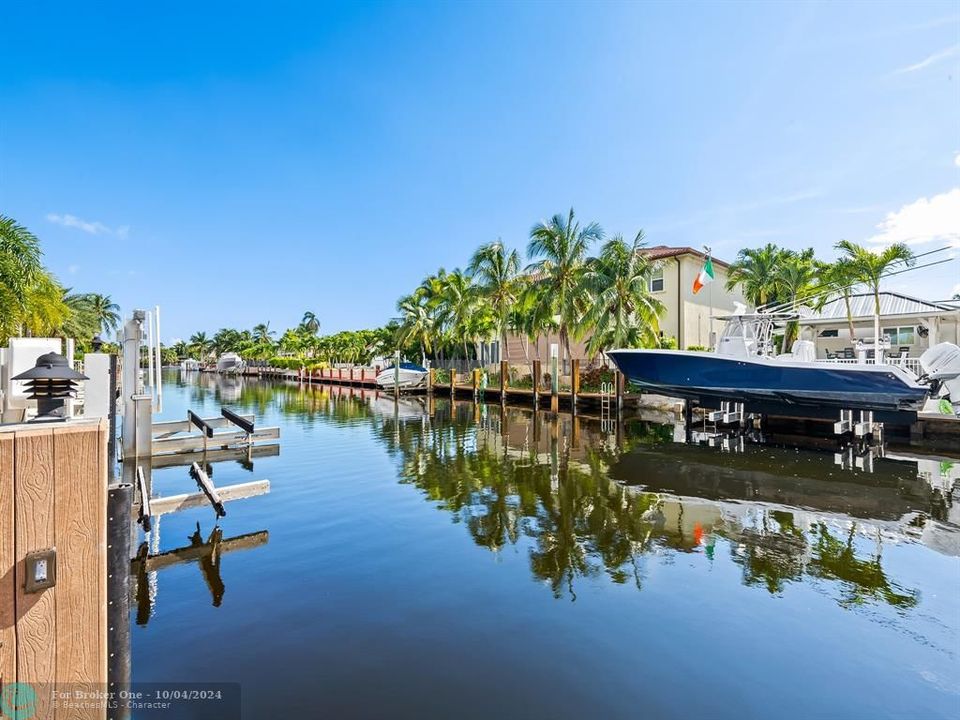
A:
(710, 317)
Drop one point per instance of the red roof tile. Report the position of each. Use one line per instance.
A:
(659, 252)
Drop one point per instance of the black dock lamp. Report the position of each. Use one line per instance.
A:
(51, 382)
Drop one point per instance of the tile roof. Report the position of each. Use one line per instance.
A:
(659, 252)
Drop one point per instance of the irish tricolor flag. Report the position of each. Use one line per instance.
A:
(705, 276)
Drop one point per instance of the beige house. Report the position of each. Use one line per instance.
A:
(687, 317)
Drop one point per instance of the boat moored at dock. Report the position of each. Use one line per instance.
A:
(230, 363)
(743, 369)
(405, 377)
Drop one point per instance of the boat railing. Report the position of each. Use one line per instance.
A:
(911, 364)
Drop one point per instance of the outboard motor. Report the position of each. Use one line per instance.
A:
(941, 367)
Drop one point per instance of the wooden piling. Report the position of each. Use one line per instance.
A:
(574, 384)
(536, 382)
(618, 383)
(504, 380)
(453, 382)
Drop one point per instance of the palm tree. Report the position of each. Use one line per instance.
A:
(263, 333)
(201, 345)
(869, 268)
(622, 311)
(562, 246)
(455, 304)
(495, 270)
(105, 311)
(794, 279)
(839, 278)
(416, 324)
(310, 322)
(755, 270)
(19, 260)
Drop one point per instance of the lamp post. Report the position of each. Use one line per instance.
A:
(51, 381)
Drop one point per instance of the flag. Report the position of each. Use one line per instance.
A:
(705, 276)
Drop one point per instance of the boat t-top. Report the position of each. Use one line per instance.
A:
(744, 369)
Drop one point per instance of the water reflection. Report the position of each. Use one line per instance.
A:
(594, 503)
(592, 500)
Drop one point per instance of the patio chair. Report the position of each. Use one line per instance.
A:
(848, 354)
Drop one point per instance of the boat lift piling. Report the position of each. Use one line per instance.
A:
(203, 480)
(143, 514)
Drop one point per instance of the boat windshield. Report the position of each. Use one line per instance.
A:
(738, 338)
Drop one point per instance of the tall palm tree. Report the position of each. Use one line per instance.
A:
(869, 268)
(263, 333)
(622, 311)
(310, 322)
(105, 311)
(416, 324)
(495, 270)
(19, 260)
(796, 276)
(755, 270)
(455, 304)
(561, 246)
(839, 279)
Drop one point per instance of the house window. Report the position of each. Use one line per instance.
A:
(656, 279)
(900, 335)
(830, 333)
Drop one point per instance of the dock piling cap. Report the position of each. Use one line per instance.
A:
(51, 366)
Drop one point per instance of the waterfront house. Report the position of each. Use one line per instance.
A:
(910, 324)
(687, 317)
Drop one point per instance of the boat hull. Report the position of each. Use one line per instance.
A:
(408, 379)
(707, 376)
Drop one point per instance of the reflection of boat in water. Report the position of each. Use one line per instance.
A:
(230, 388)
(230, 364)
(742, 368)
(405, 408)
(896, 498)
(406, 377)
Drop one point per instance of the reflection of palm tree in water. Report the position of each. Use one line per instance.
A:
(863, 579)
(507, 487)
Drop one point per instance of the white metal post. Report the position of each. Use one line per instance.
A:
(156, 318)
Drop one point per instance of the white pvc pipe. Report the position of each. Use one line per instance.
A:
(159, 362)
(149, 378)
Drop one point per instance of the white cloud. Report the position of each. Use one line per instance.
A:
(925, 220)
(956, 159)
(92, 228)
(928, 61)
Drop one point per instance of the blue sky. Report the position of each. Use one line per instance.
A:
(238, 164)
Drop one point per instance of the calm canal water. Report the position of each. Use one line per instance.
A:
(438, 561)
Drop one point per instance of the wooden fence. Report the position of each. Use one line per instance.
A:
(53, 494)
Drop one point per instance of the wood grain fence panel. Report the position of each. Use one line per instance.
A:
(8, 587)
(35, 530)
(81, 541)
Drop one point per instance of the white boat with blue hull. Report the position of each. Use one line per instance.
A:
(743, 369)
(407, 377)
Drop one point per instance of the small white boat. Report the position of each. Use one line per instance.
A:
(408, 376)
(189, 365)
(230, 364)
